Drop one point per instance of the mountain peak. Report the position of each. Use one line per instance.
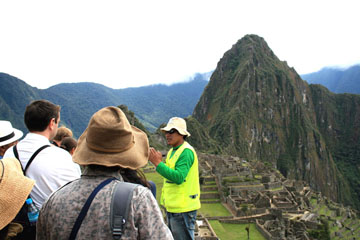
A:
(257, 107)
(251, 48)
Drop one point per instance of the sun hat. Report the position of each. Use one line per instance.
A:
(8, 134)
(110, 140)
(14, 189)
(177, 123)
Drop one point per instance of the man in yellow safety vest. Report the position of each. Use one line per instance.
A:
(181, 191)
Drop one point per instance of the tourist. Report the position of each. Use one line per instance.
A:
(61, 133)
(52, 167)
(110, 150)
(9, 136)
(14, 190)
(69, 144)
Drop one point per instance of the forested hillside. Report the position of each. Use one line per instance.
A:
(152, 105)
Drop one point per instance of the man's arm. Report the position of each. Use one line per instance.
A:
(182, 166)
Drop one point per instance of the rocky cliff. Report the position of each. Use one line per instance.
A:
(256, 106)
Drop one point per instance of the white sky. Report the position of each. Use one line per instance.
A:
(141, 42)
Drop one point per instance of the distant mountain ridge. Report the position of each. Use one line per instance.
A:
(153, 105)
(337, 80)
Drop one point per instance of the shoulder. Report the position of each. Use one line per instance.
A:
(72, 187)
(57, 153)
(58, 150)
(142, 195)
(138, 190)
(65, 197)
(141, 189)
(188, 153)
(188, 146)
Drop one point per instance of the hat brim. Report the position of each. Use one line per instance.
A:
(181, 131)
(134, 158)
(17, 135)
(14, 188)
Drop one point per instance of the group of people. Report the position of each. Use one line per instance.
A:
(78, 204)
(64, 139)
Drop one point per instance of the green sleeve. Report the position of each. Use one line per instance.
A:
(182, 167)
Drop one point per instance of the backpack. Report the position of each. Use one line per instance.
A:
(29, 231)
(119, 207)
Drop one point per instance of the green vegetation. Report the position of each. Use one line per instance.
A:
(213, 210)
(231, 231)
(152, 105)
(231, 180)
(329, 224)
(276, 189)
(323, 233)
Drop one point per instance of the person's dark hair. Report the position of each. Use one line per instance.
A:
(129, 175)
(134, 176)
(4, 232)
(39, 113)
(68, 143)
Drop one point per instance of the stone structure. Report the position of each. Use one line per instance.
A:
(254, 192)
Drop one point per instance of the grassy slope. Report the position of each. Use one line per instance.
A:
(235, 231)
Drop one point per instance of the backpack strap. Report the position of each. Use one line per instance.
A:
(119, 209)
(86, 207)
(16, 154)
(31, 158)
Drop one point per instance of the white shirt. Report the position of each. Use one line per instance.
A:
(51, 168)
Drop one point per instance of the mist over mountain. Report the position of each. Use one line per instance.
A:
(337, 80)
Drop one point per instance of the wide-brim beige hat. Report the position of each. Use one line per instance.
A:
(8, 134)
(110, 140)
(14, 189)
(177, 123)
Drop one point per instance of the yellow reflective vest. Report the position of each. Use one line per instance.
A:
(184, 197)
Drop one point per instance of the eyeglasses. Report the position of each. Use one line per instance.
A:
(171, 131)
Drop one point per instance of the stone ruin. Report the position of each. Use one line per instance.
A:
(254, 192)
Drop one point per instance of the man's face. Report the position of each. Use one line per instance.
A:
(173, 138)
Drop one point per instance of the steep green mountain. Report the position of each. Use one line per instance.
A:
(153, 105)
(338, 118)
(257, 107)
(337, 80)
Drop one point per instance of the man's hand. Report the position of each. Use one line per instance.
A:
(155, 157)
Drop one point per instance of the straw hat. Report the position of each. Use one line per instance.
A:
(8, 134)
(110, 140)
(177, 123)
(14, 189)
